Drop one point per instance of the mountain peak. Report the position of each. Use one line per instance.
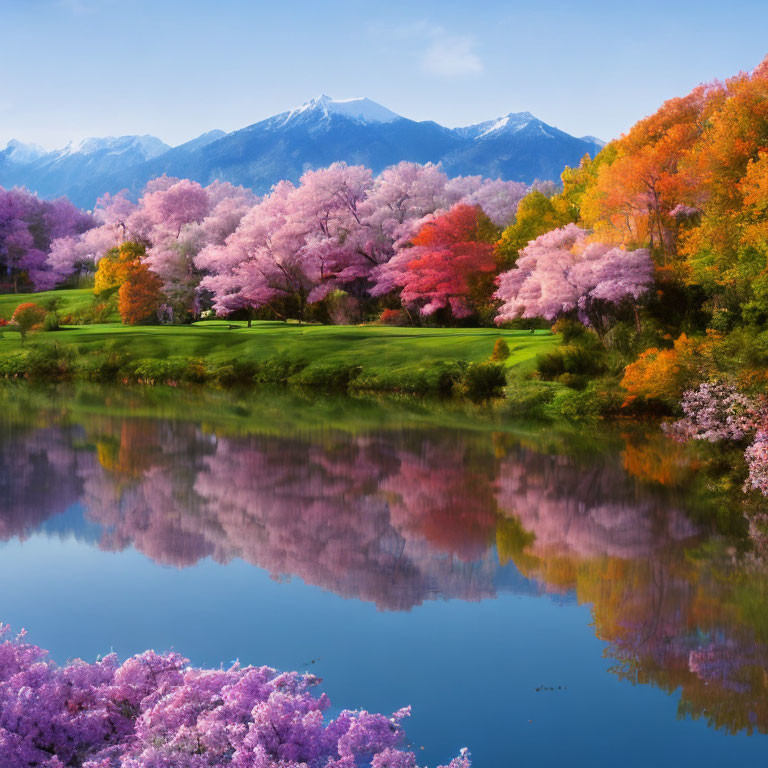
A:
(361, 109)
(19, 152)
(594, 140)
(507, 124)
(147, 145)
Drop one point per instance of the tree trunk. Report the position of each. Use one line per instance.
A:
(250, 316)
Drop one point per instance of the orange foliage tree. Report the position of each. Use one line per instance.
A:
(140, 295)
(138, 288)
(27, 317)
(662, 375)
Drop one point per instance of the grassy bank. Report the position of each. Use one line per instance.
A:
(71, 301)
(376, 358)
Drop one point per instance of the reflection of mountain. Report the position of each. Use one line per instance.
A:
(400, 517)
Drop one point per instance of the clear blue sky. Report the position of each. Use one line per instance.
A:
(176, 68)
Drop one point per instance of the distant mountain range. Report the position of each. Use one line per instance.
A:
(516, 147)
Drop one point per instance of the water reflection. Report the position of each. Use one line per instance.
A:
(400, 516)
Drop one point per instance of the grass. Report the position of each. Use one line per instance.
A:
(373, 347)
(72, 300)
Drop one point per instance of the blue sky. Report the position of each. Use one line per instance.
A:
(176, 68)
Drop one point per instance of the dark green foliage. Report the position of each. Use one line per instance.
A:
(13, 365)
(51, 322)
(435, 379)
(483, 380)
(327, 376)
(279, 369)
(584, 359)
(528, 398)
(103, 367)
(234, 373)
(50, 362)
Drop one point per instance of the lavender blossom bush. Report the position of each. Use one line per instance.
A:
(717, 411)
(156, 711)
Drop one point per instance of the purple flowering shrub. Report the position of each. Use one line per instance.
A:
(717, 411)
(156, 711)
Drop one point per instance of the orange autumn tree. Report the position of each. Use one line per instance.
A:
(661, 375)
(688, 182)
(140, 295)
(139, 290)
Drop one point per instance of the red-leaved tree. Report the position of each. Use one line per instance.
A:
(450, 263)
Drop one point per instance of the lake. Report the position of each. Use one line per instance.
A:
(544, 597)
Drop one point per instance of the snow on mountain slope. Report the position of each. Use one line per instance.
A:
(517, 146)
(362, 110)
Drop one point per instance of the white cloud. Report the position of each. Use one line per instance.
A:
(440, 53)
(451, 55)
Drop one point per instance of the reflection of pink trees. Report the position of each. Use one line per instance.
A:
(667, 619)
(40, 476)
(397, 518)
(587, 511)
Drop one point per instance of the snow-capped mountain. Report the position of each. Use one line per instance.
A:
(18, 153)
(56, 173)
(360, 110)
(517, 146)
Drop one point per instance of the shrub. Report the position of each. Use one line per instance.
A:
(50, 362)
(483, 379)
(13, 365)
(500, 350)
(152, 371)
(194, 371)
(278, 369)
(327, 375)
(438, 378)
(528, 398)
(27, 317)
(51, 322)
(659, 376)
(53, 304)
(574, 406)
(571, 330)
(584, 359)
(102, 367)
(233, 373)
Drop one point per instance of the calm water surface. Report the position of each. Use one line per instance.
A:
(543, 599)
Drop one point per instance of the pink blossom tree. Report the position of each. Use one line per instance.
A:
(561, 272)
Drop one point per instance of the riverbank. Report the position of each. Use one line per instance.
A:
(366, 358)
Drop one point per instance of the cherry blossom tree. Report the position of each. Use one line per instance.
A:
(28, 226)
(561, 272)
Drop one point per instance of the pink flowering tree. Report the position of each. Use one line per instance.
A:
(263, 260)
(28, 226)
(561, 272)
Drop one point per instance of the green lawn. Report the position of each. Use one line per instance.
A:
(72, 300)
(373, 347)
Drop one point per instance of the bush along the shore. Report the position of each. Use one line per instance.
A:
(57, 362)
